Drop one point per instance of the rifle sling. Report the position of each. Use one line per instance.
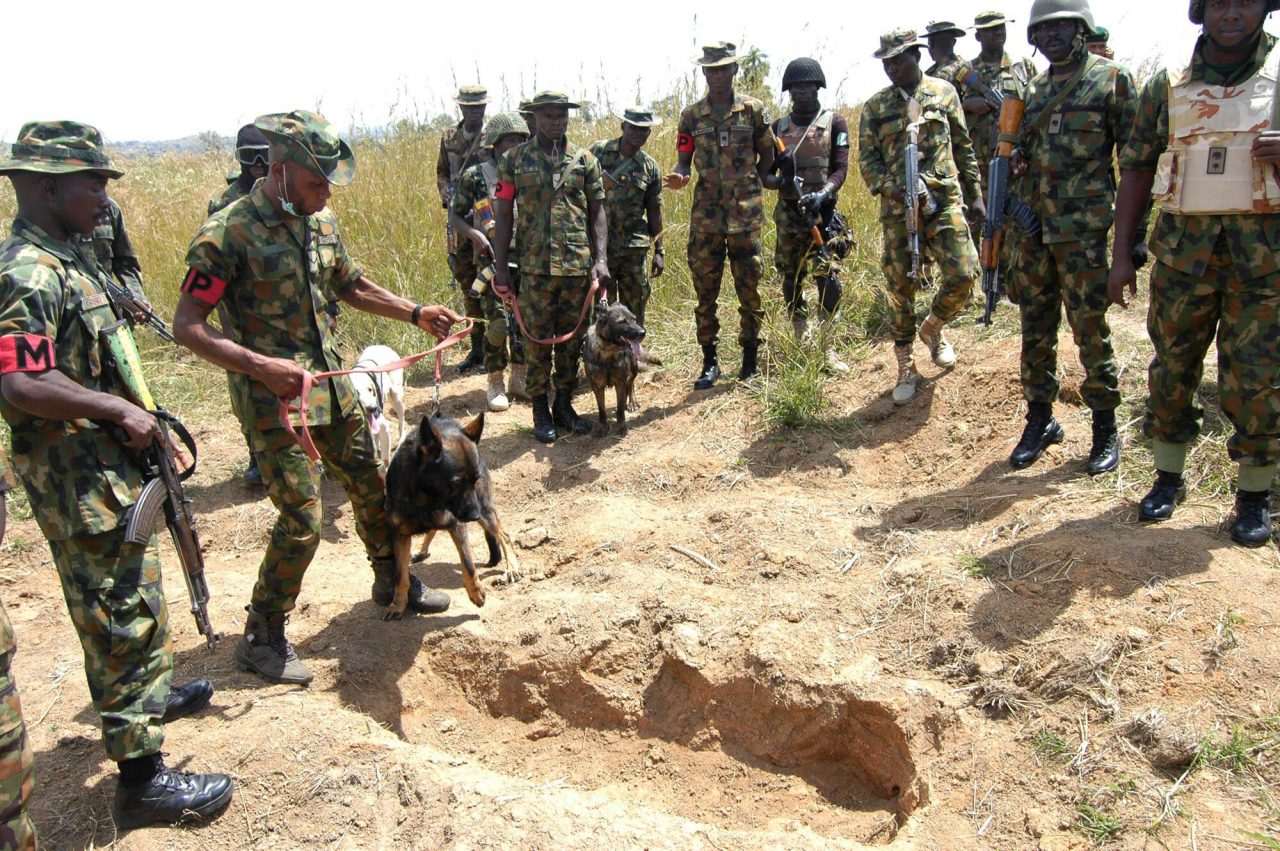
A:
(1050, 108)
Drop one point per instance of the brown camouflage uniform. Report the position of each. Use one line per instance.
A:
(16, 757)
(630, 187)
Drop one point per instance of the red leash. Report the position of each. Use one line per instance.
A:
(303, 435)
(510, 299)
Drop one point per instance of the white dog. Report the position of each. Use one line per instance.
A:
(377, 390)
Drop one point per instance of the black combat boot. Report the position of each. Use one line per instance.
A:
(710, 368)
(1164, 496)
(1042, 430)
(421, 598)
(1253, 518)
(150, 792)
(475, 357)
(564, 417)
(543, 429)
(1104, 456)
(187, 699)
(749, 369)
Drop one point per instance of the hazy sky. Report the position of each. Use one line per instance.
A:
(140, 69)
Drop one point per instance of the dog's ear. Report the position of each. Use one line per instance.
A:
(429, 440)
(474, 428)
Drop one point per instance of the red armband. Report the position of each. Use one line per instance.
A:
(202, 287)
(505, 191)
(26, 353)
(684, 143)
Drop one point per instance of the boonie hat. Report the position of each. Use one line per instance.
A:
(58, 147)
(310, 140)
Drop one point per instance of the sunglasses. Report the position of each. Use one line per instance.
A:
(252, 155)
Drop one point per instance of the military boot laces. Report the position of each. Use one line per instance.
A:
(543, 429)
(1164, 496)
(265, 651)
(1104, 455)
(170, 796)
(710, 369)
(1253, 518)
(750, 367)
(939, 349)
(421, 598)
(187, 699)
(1041, 431)
(565, 418)
(905, 388)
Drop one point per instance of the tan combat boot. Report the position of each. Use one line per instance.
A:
(800, 328)
(266, 652)
(515, 385)
(905, 390)
(826, 335)
(939, 348)
(497, 394)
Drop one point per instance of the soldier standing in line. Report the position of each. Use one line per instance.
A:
(1197, 147)
(62, 404)
(271, 258)
(726, 137)
(461, 147)
(114, 250)
(480, 182)
(1077, 120)
(1001, 76)
(1096, 42)
(817, 141)
(947, 65)
(633, 207)
(16, 758)
(948, 175)
(560, 192)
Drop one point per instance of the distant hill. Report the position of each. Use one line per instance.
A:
(193, 144)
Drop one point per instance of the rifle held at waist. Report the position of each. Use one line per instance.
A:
(1001, 205)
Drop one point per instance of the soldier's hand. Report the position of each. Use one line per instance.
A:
(978, 105)
(140, 426)
(675, 180)
(978, 212)
(502, 281)
(658, 265)
(1018, 164)
(812, 202)
(1140, 255)
(437, 319)
(139, 310)
(1122, 273)
(1266, 147)
(600, 272)
(481, 243)
(282, 377)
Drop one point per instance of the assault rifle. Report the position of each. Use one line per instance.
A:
(974, 81)
(787, 167)
(131, 307)
(163, 489)
(1001, 204)
(913, 187)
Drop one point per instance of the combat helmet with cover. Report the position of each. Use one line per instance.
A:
(1057, 10)
(504, 124)
(1196, 12)
(803, 70)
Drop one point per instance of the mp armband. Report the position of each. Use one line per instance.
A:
(26, 353)
(203, 287)
(684, 143)
(505, 191)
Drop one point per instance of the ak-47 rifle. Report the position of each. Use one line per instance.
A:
(913, 187)
(163, 489)
(974, 81)
(787, 168)
(1001, 205)
(135, 310)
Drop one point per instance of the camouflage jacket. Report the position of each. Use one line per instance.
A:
(947, 164)
(954, 70)
(459, 150)
(273, 273)
(8, 643)
(233, 192)
(1008, 78)
(475, 185)
(1071, 182)
(78, 478)
(728, 197)
(553, 194)
(1187, 242)
(630, 187)
(114, 252)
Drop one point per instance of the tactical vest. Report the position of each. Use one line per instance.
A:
(812, 146)
(1209, 168)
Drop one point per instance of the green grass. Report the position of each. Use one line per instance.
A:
(1099, 825)
(1051, 747)
(976, 566)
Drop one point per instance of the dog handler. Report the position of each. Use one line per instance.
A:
(269, 258)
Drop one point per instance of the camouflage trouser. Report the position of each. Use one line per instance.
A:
(1073, 274)
(944, 238)
(293, 483)
(1186, 310)
(550, 305)
(795, 257)
(232, 378)
(464, 273)
(630, 285)
(16, 761)
(706, 255)
(116, 602)
(497, 337)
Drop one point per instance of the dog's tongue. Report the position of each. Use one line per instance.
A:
(635, 349)
(374, 425)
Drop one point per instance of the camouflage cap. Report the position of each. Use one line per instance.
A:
(1100, 35)
(640, 117)
(472, 96)
(308, 139)
(504, 124)
(58, 147)
(896, 42)
(942, 28)
(550, 98)
(525, 108)
(720, 53)
(987, 20)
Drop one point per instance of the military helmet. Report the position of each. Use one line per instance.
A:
(1057, 10)
(803, 70)
(1196, 12)
(504, 124)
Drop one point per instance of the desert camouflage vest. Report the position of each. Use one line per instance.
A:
(812, 145)
(1209, 167)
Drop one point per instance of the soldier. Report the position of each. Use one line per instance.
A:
(480, 182)
(16, 758)
(726, 136)
(1096, 42)
(461, 147)
(998, 77)
(270, 258)
(251, 153)
(941, 37)
(817, 141)
(113, 249)
(527, 114)
(1217, 271)
(560, 192)
(73, 437)
(948, 175)
(633, 208)
(1077, 119)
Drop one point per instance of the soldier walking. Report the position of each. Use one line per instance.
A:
(1078, 117)
(948, 177)
(1205, 144)
(726, 137)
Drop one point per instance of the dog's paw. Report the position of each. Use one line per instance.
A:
(418, 557)
(394, 612)
(601, 430)
(622, 430)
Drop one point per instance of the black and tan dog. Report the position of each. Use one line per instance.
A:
(611, 355)
(436, 482)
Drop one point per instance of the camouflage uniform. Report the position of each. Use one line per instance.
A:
(949, 170)
(1008, 78)
(1071, 186)
(631, 186)
(114, 252)
(954, 70)
(233, 192)
(16, 758)
(1215, 273)
(553, 251)
(80, 481)
(728, 209)
(272, 273)
(459, 150)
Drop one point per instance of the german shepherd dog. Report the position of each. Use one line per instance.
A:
(437, 481)
(611, 355)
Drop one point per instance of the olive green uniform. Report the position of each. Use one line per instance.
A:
(631, 185)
